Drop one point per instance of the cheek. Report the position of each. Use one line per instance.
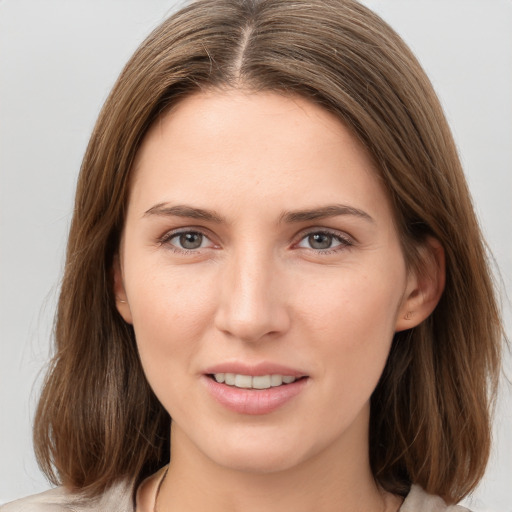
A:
(356, 307)
(170, 312)
(162, 296)
(352, 319)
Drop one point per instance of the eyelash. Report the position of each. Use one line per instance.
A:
(166, 240)
(345, 242)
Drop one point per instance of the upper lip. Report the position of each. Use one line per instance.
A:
(262, 368)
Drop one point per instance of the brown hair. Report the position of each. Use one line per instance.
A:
(98, 421)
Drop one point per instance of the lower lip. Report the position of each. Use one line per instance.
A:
(253, 401)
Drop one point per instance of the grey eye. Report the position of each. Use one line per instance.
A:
(190, 240)
(323, 240)
(320, 240)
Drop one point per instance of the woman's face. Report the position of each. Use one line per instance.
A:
(259, 248)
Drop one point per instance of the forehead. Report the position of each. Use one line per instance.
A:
(256, 145)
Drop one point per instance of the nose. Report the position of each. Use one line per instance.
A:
(252, 305)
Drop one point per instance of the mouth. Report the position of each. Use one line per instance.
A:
(260, 394)
(257, 382)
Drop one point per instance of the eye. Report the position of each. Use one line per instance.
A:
(324, 240)
(187, 240)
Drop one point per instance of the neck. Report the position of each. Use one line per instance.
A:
(336, 480)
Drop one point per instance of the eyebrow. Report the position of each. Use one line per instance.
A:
(324, 212)
(289, 217)
(184, 211)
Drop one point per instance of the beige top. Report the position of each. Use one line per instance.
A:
(119, 499)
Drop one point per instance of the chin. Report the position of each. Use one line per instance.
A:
(259, 454)
(258, 462)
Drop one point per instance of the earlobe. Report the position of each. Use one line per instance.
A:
(425, 286)
(122, 304)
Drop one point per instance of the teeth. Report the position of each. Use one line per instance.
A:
(243, 381)
(276, 380)
(257, 382)
(261, 382)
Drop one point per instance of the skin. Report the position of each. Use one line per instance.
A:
(258, 289)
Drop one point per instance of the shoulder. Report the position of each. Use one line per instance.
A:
(420, 501)
(118, 498)
(54, 499)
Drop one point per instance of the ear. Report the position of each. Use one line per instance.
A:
(122, 305)
(425, 285)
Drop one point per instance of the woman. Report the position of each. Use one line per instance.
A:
(273, 244)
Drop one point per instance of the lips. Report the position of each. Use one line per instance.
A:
(256, 369)
(253, 389)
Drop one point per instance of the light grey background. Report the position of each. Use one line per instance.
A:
(58, 60)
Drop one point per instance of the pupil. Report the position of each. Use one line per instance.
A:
(320, 241)
(191, 240)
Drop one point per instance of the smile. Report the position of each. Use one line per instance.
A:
(253, 382)
(244, 393)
